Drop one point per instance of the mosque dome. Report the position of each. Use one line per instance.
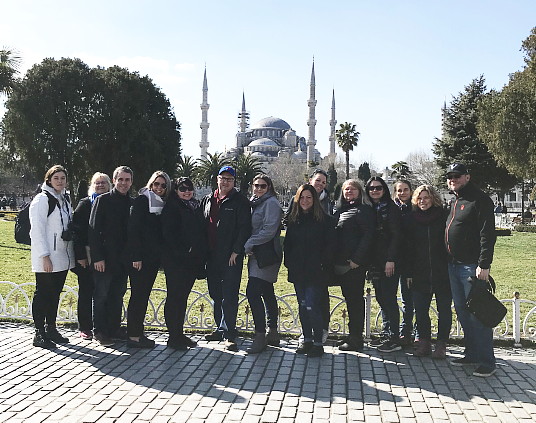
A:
(265, 142)
(300, 155)
(271, 122)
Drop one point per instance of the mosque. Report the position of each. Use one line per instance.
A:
(272, 138)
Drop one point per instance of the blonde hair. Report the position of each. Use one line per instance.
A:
(160, 174)
(363, 199)
(97, 175)
(436, 199)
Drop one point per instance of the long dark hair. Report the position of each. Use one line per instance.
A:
(386, 193)
(317, 210)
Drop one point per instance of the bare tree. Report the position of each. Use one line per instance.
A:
(423, 167)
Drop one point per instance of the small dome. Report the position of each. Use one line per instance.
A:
(271, 122)
(300, 154)
(266, 142)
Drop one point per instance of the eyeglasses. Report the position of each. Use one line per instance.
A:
(101, 183)
(260, 186)
(184, 189)
(375, 188)
(160, 184)
(225, 179)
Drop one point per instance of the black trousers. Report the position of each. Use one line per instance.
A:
(352, 285)
(86, 286)
(179, 282)
(141, 284)
(47, 297)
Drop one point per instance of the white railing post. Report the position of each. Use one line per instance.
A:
(368, 311)
(516, 320)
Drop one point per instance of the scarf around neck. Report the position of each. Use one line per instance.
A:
(156, 204)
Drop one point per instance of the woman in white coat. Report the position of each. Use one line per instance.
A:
(52, 254)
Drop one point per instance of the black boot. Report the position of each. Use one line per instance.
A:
(40, 340)
(53, 334)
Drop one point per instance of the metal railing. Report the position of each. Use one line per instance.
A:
(16, 303)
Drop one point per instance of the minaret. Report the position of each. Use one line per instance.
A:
(243, 118)
(243, 115)
(311, 122)
(204, 118)
(332, 124)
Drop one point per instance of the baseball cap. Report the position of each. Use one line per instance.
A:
(457, 168)
(227, 169)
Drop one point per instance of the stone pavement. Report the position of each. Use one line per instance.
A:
(84, 382)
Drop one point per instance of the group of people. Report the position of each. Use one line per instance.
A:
(404, 240)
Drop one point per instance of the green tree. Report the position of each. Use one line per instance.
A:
(461, 141)
(363, 172)
(400, 170)
(208, 168)
(10, 61)
(246, 167)
(347, 138)
(187, 167)
(89, 119)
(332, 178)
(507, 121)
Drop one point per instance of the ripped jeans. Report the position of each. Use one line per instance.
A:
(310, 311)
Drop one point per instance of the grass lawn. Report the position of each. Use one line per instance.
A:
(514, 269)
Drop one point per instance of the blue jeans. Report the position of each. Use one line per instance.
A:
(422, 302)
(310, 311)
(478, 338)
(223, 286)
(110, 288)
(386, 289)
(406, 327)
(263, 303)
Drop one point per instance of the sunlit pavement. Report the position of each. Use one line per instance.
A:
(84, 382)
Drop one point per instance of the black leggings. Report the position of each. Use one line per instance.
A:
(141, 284)
(47, 297)
(179, 283)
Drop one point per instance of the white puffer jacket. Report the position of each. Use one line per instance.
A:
(46, 232)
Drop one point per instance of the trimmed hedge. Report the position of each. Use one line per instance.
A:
(525, 228)
(503, 232)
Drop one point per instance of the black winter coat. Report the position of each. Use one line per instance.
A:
(233, 227)
(81, 227)
(307, 249)
(470, 233)
(108, 228)
(145, 240)
(354, 233)
(387, 237)
(184, 234)
(427, 263)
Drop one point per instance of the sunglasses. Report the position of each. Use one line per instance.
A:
(261, 186)
(375, 188)
(184, 189)
(158, 184)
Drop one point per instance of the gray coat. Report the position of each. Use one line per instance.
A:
(266, 225)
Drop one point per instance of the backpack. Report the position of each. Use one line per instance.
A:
(22, 222)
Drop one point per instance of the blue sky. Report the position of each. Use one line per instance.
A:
(392, 63)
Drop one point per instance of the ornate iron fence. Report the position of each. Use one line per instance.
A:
(16, 303)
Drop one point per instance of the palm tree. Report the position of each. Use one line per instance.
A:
(208, 168)
(246, 167)
(347, 138)
(400, 170)
(187, 167)
(9, 67)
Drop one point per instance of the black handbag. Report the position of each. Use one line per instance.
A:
(483, 304)
(265, 254)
